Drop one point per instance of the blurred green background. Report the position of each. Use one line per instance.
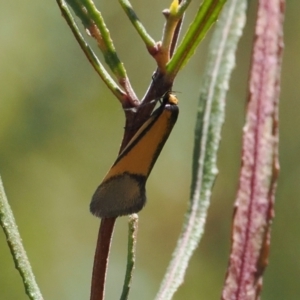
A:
(60, 129)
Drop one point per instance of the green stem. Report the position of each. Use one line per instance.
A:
(96, 27)
(183, 6)
(132, 233)
(148, 40)
(170, 33)
(91, 56)
(206, 16)
(14, 242)
(210, 118)
(107, 47)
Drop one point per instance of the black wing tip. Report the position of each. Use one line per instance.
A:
(114, 213)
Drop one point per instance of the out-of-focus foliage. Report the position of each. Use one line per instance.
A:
(60, 130)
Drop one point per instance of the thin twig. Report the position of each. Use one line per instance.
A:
(94, 24)
(107, 47)
(148, 40)
(101, 258)
(172, 16)
(18, 252)
(207, 14)
(132, 236)
(91, 56)
(207, 136)
(104, 40)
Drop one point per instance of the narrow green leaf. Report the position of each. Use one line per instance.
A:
(210, 118)
(207, 14)
(18, 252)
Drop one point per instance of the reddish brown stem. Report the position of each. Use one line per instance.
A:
(101, 258)
(254, 209)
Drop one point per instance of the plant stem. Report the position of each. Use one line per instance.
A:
(94, 24)
(207, 14)
(254, 207)
(207, 136)
(104, 41)
(148, 40)
(132, 236)
(91, 56)
(18, 252)
(101, 258)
